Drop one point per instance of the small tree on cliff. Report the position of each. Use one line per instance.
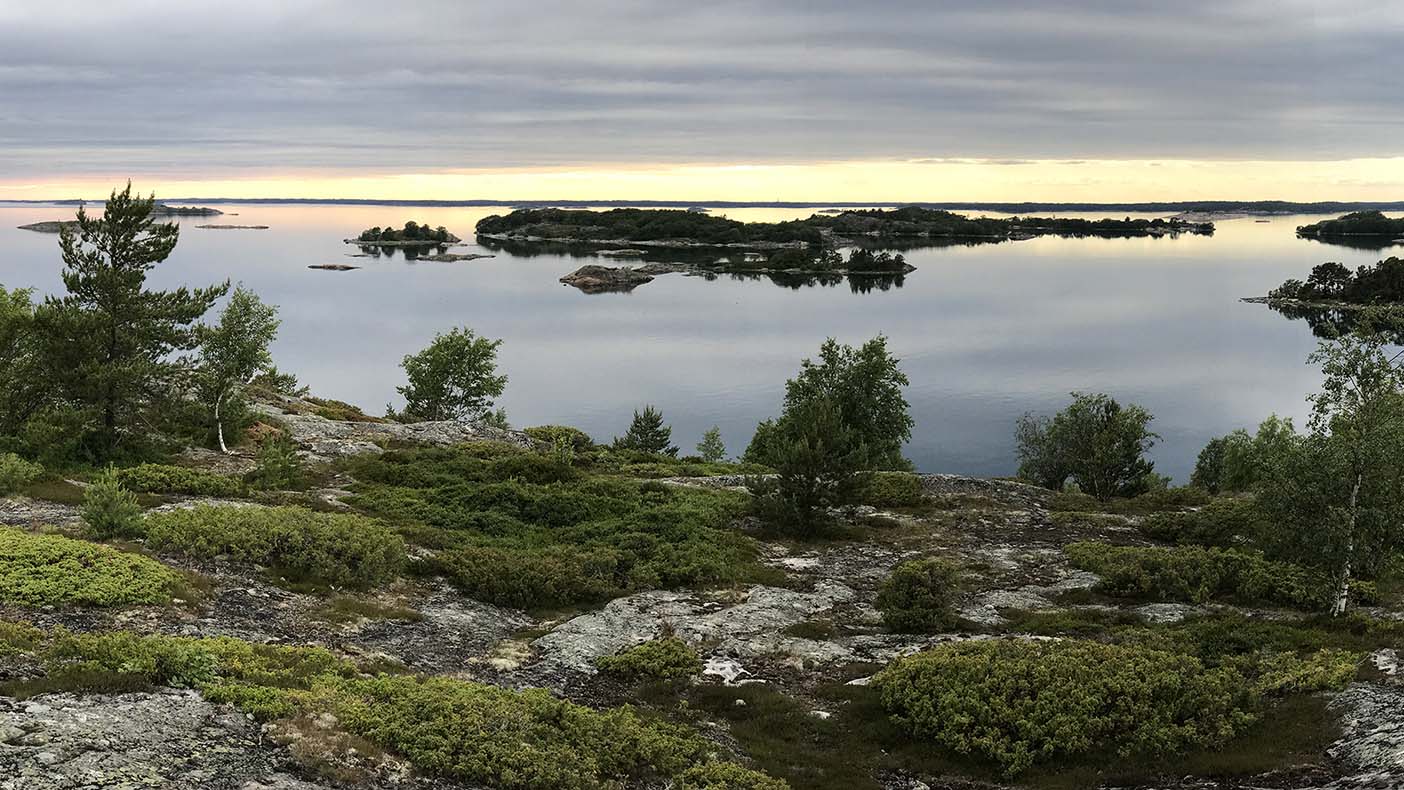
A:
(455, 378)
(234, 352)
(711, 448)
(648, 434)
(111, 347)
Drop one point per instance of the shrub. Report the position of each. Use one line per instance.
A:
(817, 459)
(1324, 670)
(669, 658)
(51, 570)
(279, 467)
(331, 548)
(1096, 441)
(486, 735)
(526, 579)
(454, 378)
(1223, 522)
(1154, 501)
(552, 435)
(890, 489)
(727, 776)
(919, 596)
(1020, 703)
(648, 434)
(16, 473)
(166, 479)
(1195, 575)
(711, 449)
(109, 510)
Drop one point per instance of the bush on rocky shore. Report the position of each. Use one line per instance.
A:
(919, 596)
(51, 570)
(1195, 574)
(299, 544)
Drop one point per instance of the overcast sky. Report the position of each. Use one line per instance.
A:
(257, 89)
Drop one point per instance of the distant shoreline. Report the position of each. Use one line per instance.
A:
(1215, 207)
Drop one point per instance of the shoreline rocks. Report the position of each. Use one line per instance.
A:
(604, 279)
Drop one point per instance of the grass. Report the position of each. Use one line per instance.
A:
(340, 609)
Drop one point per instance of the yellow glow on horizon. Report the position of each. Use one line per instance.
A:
(854, 181)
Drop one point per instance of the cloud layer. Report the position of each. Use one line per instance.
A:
(193, 91)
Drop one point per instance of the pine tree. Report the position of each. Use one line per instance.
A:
(111, 347)
(648, 434)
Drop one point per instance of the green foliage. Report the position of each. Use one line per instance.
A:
(454, 378)
(109, 509)
(1238, 461)
(669, 658)
(817, 458)
(1325, 670)
(491, 736)
(712, 448)
(1382, 283)
(51, 570)
(1154, 501)
(21, 380)
(648, 434)
(166, 479)
(1095, 441)
(726, 776)
(279, 468)
(16, 473)
(234, 352)
(890, 489)
(302, 545)
(920, 596)
(1195, 574)
(523, 529)
(1223, 522)
(109, 346)
(633, 224)
(1021, 703)
(412, 231)
(18, 638)
(554, 435)
(864, 385)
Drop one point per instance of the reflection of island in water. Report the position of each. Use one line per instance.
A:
(1357, 242)
(1334, 320)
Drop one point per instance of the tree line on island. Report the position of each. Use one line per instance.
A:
(412, 232)
(661, 225)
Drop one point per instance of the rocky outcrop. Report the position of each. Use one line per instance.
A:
(168, 739)
(320, 439)
(21, 511)
(601, 279)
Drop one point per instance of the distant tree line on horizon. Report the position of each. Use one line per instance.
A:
(631, 224)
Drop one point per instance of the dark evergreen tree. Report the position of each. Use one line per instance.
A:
(112, 348)
(647, 433)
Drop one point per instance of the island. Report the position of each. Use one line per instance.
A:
(674, 228)
(159, 210)
(233, 227)
(1334, 300)
(1359, 223)
(413, 234)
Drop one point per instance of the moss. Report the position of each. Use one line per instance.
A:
(669, 658)
(1166, 499)
(812, 629)
(340, 411)
(51, 570)
(351, 608)
(891, 489)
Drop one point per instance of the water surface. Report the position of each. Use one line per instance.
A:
(985, 333)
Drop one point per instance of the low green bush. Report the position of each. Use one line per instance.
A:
(1153, 501)
(920, 595)
(669, 658)
(727, 776)
(18, 638)
(278, 468)
(1021, 703)
(110, 510)
(1195, 575)
(554, 435)
(51, 570)
(521, 529)
(1326, 669)
(16, 473)
(302, 545)
(890, 489)
(167, 479)
(1222, 522)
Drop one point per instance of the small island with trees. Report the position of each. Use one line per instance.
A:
(1371, 224)
(413, 234)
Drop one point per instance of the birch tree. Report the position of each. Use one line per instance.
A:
(235, 351)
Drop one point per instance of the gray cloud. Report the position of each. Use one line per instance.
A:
(263, 87)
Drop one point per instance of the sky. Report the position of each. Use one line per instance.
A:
(1086, 100)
